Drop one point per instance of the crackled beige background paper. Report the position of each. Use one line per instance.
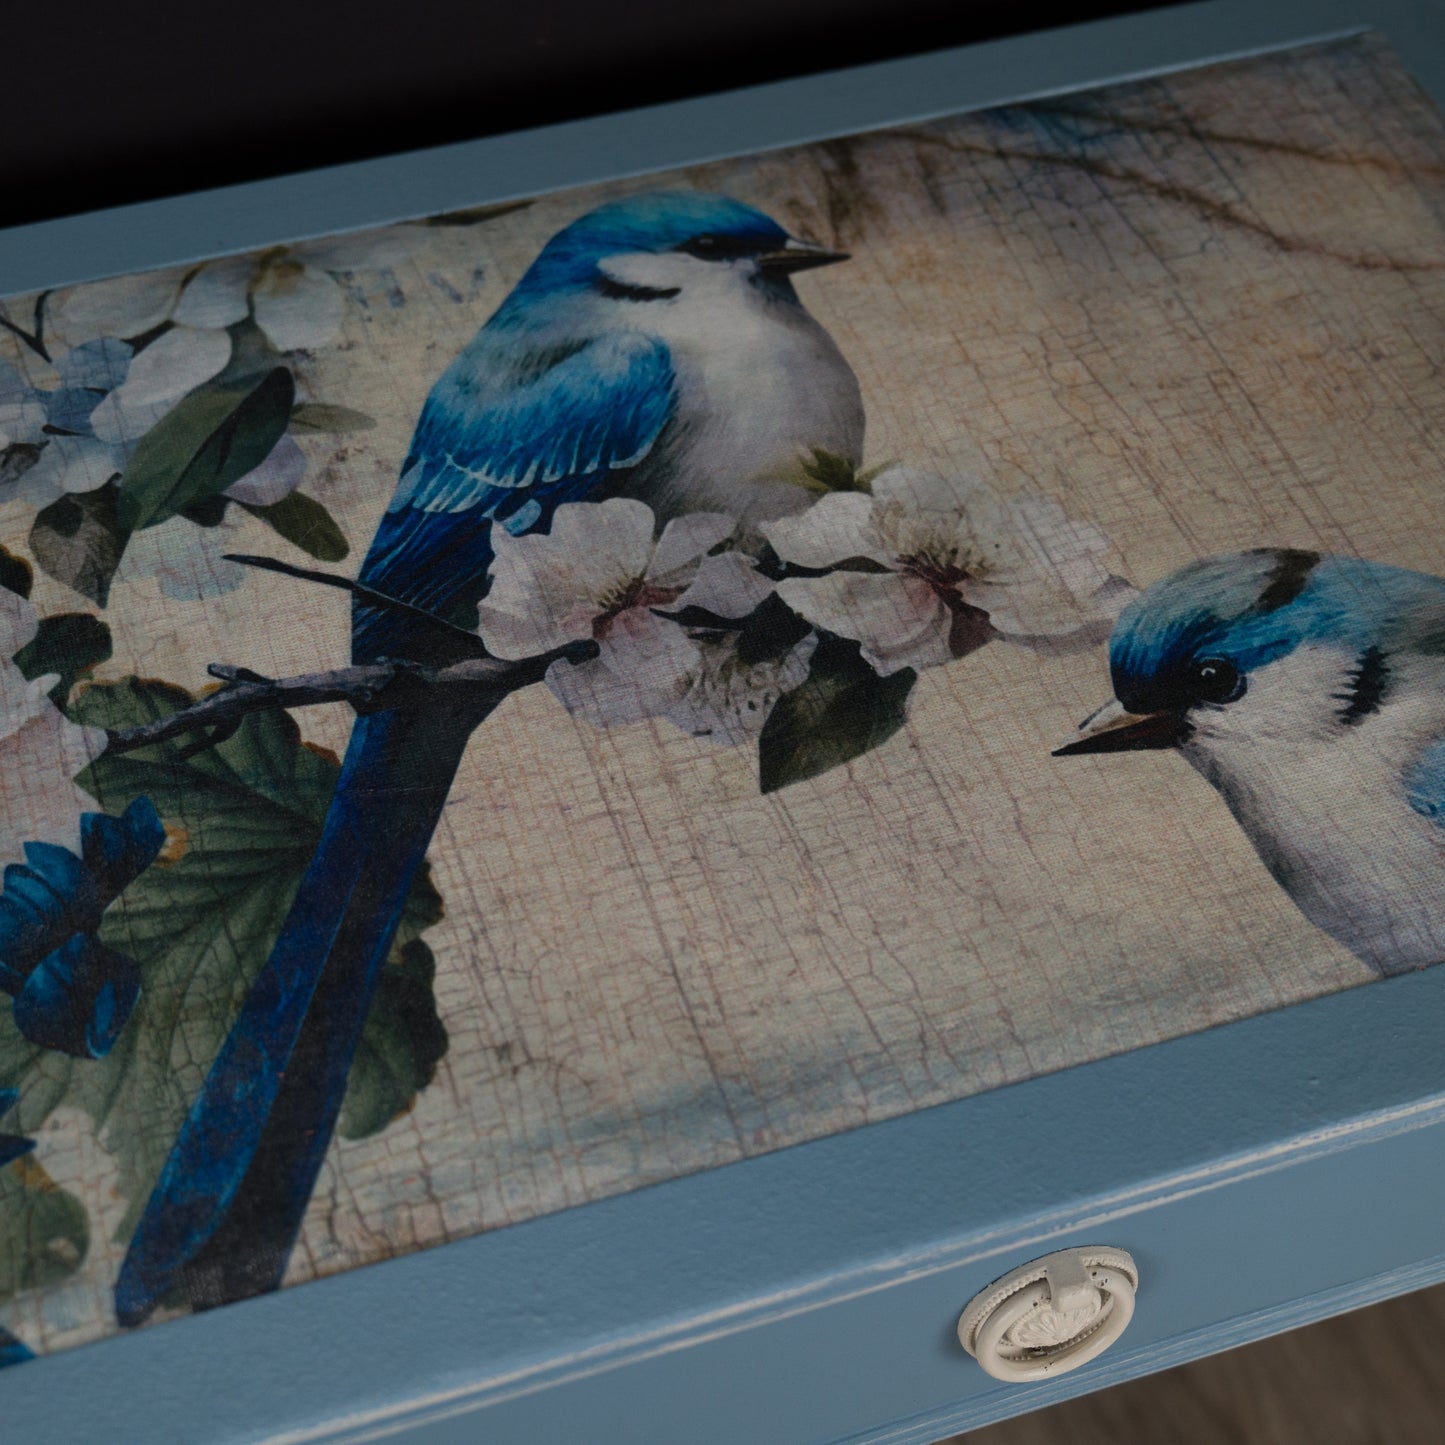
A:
(1205, 312)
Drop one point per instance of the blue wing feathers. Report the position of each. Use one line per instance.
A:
(508, 434)
(254, 1139)
(512, 459)
(599, 408)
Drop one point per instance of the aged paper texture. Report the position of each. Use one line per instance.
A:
(1199, 314)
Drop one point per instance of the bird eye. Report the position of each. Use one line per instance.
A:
(1215, 679)
(712, 247)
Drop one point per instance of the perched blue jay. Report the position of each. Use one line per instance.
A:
(655, 349)
(1310, 690)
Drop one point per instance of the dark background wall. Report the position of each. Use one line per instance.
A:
(105, 103)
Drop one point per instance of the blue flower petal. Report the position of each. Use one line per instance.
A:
(78, 998)
(97, 365)
(72, 993)
(54, 894)
(33, 920)
(12, 1146)
(66, 877)
(69, 408)
(13, 1351)
(118, 850)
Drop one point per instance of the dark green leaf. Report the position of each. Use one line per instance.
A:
(832, 473)
(401, 1045)
(843, 710)
(305, 523)
(16, 574)
(207, 442)
(44, 1232)
(71, 644)
(208, 512)
(243, 818)
(323, 416)
(772, 630)
(78, 539)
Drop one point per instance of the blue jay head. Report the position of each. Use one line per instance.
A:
(654, 247)
(1256, 643)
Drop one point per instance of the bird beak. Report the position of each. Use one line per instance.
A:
(1113, 729)
(799, 255)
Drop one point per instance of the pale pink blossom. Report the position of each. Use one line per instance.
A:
(929, 567)
(600, 574)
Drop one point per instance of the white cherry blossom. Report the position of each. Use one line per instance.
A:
(292, 292)
(79, 435)
(172, 365)
(600, 574)
(728, 700)
(47, 446)
(596, 573)
(931, 567)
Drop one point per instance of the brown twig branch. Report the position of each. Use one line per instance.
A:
(1205, 136)
(371, 687)
(1208, 207)
(35, 339)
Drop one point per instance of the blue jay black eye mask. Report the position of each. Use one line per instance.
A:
(1309, 691)
(1192, 639)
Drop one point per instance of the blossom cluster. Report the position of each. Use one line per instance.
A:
(102, 364)
(921, 569)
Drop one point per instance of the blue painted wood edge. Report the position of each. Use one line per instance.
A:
(843, 1226)
(527, 163)
(1302, 1210)
(1119, 1369)
(964, 1189)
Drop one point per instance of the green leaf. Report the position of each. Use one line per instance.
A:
(843, 710)
(16, 574)
(243, 819)
(207, 442)
(78, 539)
(71, 644)
(830, 472)
(44, 1231)
(324, 416)
(401, 1045)
(208, 512)
(305, 523)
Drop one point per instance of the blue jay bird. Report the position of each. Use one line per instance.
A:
(656, 348)
(1310, 691)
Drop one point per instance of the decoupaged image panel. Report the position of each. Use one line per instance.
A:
(678, 785)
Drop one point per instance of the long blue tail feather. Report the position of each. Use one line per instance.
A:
(221, 1220)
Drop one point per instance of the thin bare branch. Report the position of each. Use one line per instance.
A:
(1211, 208)
(369, 595)
(373, 687)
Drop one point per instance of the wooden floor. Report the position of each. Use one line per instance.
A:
(1375, 1377)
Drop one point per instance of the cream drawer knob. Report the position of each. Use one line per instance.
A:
(1052, 1315)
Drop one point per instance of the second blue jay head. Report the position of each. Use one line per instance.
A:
(1249, 644)
(656, 245)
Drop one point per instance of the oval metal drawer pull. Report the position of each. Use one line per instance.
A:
(1052, 1315)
